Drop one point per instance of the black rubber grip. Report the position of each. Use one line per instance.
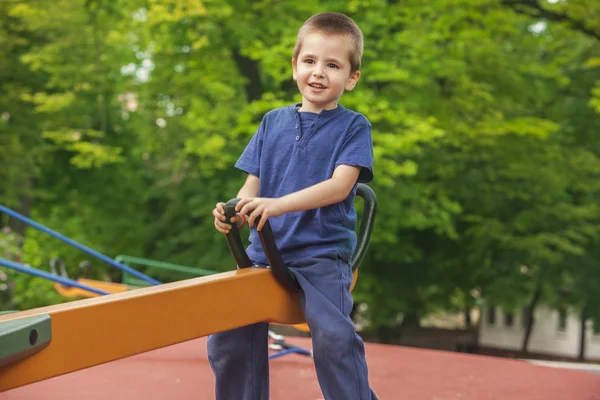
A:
(234, 240)
(366, 225)
(280, 270)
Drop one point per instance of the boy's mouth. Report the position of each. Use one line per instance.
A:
(317, 86)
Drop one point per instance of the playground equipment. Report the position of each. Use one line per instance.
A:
(49, 341)
(79, 292)
(159, 265)
(127, 282)
(79, 246)
(277, 343)
(281, 272)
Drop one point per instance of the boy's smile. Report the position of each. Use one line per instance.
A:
(323, 72)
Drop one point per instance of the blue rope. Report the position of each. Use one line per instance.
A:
(43, 274)
(79, 246)
(289, 351)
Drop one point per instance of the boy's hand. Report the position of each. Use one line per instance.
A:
(220, 224)
(254, 207)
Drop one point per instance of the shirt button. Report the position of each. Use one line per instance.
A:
(297, 126)
(297, 137)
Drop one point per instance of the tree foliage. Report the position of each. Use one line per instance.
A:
(122, 121)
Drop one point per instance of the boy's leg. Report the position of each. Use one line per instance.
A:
(339, 352)
(240, 361)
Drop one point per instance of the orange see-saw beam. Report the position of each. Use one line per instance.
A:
(103, 329)
(71, 291)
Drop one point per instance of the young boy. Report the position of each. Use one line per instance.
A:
(303, 165)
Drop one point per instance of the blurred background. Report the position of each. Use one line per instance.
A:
(120, 122)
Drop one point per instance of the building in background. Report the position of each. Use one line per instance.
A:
(555, 334)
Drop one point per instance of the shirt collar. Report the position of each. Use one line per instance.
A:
(324, 113)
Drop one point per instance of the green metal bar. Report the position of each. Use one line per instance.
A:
(129, 281)
(163, 265)
(21, 338)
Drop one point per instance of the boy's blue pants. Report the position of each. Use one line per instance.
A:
(239, 358)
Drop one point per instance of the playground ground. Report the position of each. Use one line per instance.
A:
(182, 372)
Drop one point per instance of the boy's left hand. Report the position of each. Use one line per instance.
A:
(263, 207)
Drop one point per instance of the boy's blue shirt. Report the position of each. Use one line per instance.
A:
(287, 158)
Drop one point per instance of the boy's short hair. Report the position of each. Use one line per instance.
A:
(336, 24)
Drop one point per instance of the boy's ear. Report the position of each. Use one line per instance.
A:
(352, 80)
(294, 68)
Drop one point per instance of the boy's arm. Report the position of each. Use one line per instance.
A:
(331, 191)
(250, 187)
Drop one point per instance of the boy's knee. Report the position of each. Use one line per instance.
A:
(332, 338)
(223, 345)
(237, 342)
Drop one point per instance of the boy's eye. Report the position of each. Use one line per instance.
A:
(331, 65)
(309, 61)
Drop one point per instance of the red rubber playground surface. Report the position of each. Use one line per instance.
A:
(396, 373)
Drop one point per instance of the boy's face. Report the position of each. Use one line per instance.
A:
(322, 71)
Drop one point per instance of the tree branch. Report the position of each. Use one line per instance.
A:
(251, 70)
(533, 9)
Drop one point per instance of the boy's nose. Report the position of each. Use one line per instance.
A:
(318, 71)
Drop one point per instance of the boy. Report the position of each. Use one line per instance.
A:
(303, 166)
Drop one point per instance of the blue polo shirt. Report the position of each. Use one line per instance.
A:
(291, 151)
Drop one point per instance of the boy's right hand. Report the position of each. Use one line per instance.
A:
(220, 224)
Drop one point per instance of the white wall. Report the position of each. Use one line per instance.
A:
(592, 350)
(546, 338)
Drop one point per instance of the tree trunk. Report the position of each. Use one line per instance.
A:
(581, 356)
(411, 320)
(250, 69)
(529, 318)
(468, 321)
(101, 96)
